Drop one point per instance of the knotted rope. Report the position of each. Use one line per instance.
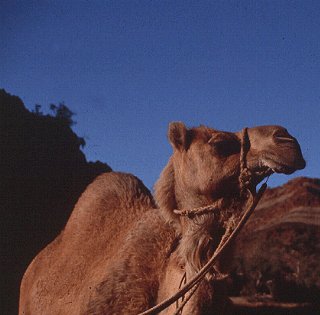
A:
(179, 309)
(245, 176)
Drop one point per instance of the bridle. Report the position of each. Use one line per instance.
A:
(245, 182)
(245, 177)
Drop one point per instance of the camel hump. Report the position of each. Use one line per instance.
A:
(102, 218)
(123, 187)
(106, 201)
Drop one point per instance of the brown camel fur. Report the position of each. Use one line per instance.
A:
(120, 254)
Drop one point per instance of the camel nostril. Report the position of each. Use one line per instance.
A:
(282, 135)
(285, 139)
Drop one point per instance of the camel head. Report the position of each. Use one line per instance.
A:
(205, 164)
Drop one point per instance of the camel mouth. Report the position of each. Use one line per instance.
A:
(284, 169)
(281, 167)
(260, 173)
(264, 171)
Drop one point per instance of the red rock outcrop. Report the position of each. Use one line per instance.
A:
(278, 251)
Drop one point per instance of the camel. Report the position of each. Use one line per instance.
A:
(121, 252)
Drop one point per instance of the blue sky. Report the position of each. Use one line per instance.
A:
(128, 68)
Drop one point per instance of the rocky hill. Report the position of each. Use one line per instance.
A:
(278, 251)
(43, 172)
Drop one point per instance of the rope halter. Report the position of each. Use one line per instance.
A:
(245, 176)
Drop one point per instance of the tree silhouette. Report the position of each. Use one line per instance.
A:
(63, 113)
(37, 110)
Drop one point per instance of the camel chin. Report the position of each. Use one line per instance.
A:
(281, 167)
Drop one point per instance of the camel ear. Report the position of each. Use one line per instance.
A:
(178, 135)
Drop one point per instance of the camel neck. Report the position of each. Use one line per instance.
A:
(189, 200)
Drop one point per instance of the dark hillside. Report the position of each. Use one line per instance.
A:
(43, 173)
(278, 251)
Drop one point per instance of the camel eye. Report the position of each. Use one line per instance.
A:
(225, 147)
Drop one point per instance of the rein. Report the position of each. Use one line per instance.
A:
(192, 285)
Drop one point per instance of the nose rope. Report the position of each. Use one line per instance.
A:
(184, 299)
(183, 281)
(179, 309)
(245, 174)
(266, 182)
